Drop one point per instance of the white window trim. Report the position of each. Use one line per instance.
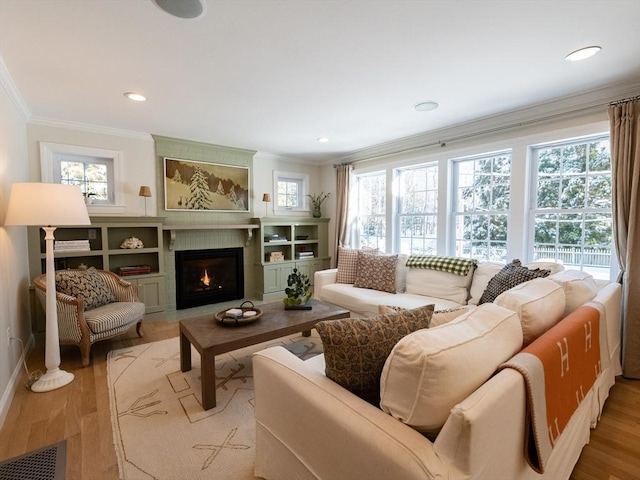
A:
(304, 178)
(49, 150)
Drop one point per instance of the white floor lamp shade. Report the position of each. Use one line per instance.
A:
(45, 205)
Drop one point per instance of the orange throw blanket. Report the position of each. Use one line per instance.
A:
(559, 368)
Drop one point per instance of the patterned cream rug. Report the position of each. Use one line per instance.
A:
(160, 429)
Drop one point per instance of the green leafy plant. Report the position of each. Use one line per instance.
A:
(298, 290)
(318, 200)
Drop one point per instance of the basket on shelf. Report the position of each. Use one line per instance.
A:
(240, 315)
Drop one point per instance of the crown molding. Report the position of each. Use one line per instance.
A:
(86, 127)
(562, 108)
(279, 158)
(6, 81)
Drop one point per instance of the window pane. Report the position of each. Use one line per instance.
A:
(418, 209)
(371, 224)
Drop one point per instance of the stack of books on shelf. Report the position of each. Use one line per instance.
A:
(302, 255)
(275, 239)
(275, 257)
(71, 246)
(134, 270)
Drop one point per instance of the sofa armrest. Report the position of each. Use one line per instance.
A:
(322, 278)
(327, 432)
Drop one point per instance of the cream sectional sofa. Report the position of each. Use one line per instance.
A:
(457, 416)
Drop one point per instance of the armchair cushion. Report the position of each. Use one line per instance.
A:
(113, 315)
(87, 284)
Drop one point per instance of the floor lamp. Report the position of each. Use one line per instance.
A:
(45, 205)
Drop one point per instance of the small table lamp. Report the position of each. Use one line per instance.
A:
(266, 198)
(44, 205)
(144, 192)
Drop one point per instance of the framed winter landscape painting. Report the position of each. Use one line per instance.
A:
(207, 187)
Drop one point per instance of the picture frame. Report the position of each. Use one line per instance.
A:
(205, 187)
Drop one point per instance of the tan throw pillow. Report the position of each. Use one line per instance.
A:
(355, 349)
(87, 284)
(377, 272)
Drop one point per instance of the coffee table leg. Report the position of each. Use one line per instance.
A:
(185, 353)
(208, 381)
(306, 333)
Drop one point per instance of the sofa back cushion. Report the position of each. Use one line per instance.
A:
(434, 283)
(540, 304)
(579, 287)
(484, 272)
(428, 372)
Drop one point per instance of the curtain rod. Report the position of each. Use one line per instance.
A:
(534, 121)
(625, 100)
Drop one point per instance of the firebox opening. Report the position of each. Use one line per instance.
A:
(205, 277)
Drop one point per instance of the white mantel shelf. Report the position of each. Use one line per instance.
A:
(173, 228)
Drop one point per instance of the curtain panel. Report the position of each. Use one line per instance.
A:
(343, 185)
(625, 164)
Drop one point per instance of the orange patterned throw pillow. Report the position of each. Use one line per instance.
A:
(377, 272)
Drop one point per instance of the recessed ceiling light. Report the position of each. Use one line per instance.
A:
(135, 96)
(182, 8)
(583, 53)
(323, 139)
(425, 106)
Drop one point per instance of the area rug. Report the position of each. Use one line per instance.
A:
(160, 429)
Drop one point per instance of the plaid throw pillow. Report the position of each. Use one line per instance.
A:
(511, 275)
(458, 266)
(348, 263)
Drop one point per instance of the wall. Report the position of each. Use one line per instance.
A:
(14, 271)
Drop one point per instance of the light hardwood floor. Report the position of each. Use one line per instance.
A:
(79, 413)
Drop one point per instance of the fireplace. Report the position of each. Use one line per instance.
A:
(211, 276)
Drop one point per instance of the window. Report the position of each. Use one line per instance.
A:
(291, 190)
(417, 209)
(481, 206)
(371, 200)
(95, 171)
(572, 206)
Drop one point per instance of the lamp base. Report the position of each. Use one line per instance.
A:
(52, 380)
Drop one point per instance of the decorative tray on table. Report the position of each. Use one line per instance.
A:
(241, 315)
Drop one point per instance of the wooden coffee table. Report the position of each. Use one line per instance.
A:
(210, 338)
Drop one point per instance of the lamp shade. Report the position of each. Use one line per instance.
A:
(266, 197)
(144, 191)
(41, 204)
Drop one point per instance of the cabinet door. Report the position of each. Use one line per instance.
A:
(275, 277)
(309, 268)
(151, 293)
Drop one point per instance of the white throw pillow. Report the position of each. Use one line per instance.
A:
(485, 271)
(430, 371)
(540, 303)
(579, 287)
(434, 283)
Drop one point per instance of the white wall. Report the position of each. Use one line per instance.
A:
(14, 271)
(137, 151)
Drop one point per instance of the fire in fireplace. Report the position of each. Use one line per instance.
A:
(211, 276)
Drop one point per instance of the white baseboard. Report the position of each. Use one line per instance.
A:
(9, 392)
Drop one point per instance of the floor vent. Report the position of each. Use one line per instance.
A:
(47, 463)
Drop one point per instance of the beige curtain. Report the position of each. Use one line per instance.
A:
(625, 164)
(343, 184)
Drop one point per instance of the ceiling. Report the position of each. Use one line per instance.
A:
(274, 76)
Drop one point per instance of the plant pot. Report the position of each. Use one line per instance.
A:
(317, 213)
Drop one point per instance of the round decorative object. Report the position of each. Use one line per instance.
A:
(246, 313)
(132, 242)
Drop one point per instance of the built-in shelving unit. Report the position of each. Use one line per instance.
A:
(284, 244)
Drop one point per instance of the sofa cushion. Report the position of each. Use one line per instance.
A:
(355, 349)
(430, 371)
(401, 273)
(87, 284)
(434, 283)
(553, 267)
(108, 317)
(511, 275)
(540, 303)
(579, 287)
(377, 272)
(484, 272)
(365, 302)
(348, 263)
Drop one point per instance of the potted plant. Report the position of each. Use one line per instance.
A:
(298, 291)
(317, 201)
(88, 197)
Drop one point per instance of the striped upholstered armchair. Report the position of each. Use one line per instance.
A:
(92, 305)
